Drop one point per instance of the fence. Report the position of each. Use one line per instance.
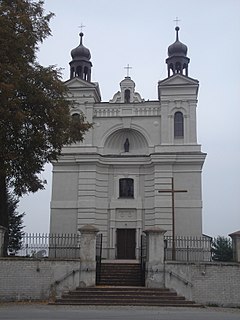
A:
(188, 248)
(68, 246)
(50, 245)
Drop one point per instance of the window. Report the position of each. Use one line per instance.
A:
(76, 116)
(72, 73)
(178, 125)
(79, 71)
(127, 96)
(85, 73)
(126, 188)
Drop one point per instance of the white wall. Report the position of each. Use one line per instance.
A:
(212, 283)
(30, 279)
(205, 283)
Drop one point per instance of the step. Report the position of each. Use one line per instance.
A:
(120, 295)
(138, 296)
(121, 266)
(121, 274)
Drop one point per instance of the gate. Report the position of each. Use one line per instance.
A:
(143, 257)
(98, 257)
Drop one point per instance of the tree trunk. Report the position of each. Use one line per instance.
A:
(4, 219)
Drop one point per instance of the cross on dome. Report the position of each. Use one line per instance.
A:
(177, 20)
(81, 27)
(128, 68)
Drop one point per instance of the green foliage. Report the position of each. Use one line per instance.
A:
(15, 232)
(222, 249)
(34, 113)
(35, 121)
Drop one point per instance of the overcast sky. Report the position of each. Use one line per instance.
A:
(138, 33)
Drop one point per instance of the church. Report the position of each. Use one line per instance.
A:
(140, 165)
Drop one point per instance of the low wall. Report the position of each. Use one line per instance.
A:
(32, 279)
(208, 283)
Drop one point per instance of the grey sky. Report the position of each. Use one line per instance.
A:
(139, 33)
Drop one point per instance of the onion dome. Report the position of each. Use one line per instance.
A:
(177, 48)
(177, 60)
(81, 52)
(80, 66)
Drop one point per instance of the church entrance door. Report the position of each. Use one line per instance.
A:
(126, 243)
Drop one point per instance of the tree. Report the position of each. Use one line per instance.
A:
(15, 232)
(222, 249)
(35, 122)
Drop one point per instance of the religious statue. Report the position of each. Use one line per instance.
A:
(126, 145)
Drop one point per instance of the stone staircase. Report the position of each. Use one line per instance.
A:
(121, 284)
(124, 296)
(121, 274)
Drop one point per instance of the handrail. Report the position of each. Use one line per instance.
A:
(53, 286)
(57, 282)
(186, 282)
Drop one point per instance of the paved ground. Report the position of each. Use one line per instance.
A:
(14, 311)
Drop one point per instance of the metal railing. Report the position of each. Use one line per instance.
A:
(50, 245)
(143, 257)
(98, 257)
(188, 248)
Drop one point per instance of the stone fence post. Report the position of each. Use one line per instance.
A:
(2, 233)
(236, 245)
(155, 257)
(87, 277)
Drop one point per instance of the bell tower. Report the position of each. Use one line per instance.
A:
(177, 60)
(80, 66)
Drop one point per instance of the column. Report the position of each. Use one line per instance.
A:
(236, 245)
(155, 258)
(2, 233)
(87, 275)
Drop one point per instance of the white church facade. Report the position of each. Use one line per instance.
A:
(117, 178)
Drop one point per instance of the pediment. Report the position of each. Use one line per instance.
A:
(77, 82)
(178, 79)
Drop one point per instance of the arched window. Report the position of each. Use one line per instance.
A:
(126, 188)
(76, 116)
(79, 71)
(85, 73)
(178, 125)
(72, 75)
(178, 67)
(127, 96)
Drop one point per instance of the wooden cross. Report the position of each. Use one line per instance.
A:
(176, 20)
(81, 27)
(173, 191)
(128, 68)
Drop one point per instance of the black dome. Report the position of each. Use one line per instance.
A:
(81, 66)
(81, 52)
(177, 60)
(177, 48)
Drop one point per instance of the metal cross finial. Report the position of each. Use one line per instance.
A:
(128, 68)
(81, 27)
(177, 20)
